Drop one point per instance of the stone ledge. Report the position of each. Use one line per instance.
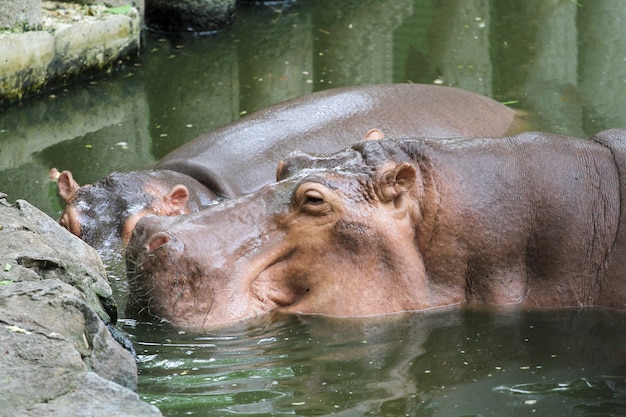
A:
(31, 62)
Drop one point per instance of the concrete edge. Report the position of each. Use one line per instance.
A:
(31, 62)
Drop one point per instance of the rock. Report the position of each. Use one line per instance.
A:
(57, 356)
(34, 247)
(114, 401)
(189, 16)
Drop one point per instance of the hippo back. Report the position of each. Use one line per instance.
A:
(612, 293)
(242, 156)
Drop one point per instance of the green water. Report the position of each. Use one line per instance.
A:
(446, 363)
(562, 61)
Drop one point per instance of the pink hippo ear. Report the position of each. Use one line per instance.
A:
(374, 134)
(67, 186)
(395, 182)
(176, 200)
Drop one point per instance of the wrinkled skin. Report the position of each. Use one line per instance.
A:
(396, 225)
(241, 157)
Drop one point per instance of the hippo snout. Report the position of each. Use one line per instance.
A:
(149, 234)
(152, 247)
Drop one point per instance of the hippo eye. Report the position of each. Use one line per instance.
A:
(313, 198)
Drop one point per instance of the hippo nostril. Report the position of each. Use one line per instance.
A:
(158, 240)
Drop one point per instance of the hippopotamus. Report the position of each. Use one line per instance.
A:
(533, 220)
(240, 157)
(106, 212)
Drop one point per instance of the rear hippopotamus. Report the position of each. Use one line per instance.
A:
(241, 156)
(106, 211)
(395, 225)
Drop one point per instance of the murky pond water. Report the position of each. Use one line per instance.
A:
(562, 61)
(432, 364)
(445, 363)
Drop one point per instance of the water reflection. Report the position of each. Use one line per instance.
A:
(354, 41)
(560, 60)
(548, 65)
(441, 363)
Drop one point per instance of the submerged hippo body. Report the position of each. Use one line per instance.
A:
(397, 225)
(328, 121)
(241, 157)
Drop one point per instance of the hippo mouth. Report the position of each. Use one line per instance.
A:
(170, 279)
(276, 286)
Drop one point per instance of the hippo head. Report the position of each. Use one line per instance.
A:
(106, 212)
(335, 235)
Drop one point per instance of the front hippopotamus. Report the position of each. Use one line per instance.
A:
(241, 157)
(396, 225)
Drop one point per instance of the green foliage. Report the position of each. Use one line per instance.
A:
(119, 10)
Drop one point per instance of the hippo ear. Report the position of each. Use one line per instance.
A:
(67, 186)
(176, 200)
(280, 170)
(374, 134)
(395, 182)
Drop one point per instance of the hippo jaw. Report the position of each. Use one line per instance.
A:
(334, 243)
